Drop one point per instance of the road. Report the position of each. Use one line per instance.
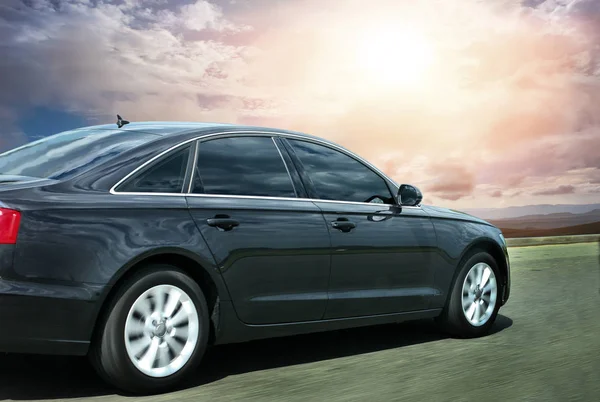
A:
(545, 347)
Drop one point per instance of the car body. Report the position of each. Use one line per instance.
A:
(255, 224)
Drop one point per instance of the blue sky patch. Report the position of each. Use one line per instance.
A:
(42, 122)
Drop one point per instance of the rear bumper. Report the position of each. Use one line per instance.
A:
(46, 319)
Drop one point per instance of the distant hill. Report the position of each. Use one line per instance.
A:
(543, 220)
(521, 211)
(549, 221)
(588, 228)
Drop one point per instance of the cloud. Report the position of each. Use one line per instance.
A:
(90, 56)
(548, 157)
(507, 107)
(557, 191)
(452, 181)
(595, 176)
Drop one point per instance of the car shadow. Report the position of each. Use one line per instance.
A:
(29, 377)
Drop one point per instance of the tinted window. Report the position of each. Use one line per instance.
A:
(166, 176)
(69, 153)
(337, 176)
(242, 166)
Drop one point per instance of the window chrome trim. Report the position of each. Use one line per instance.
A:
(272, 134)
(256, 197)
(285, 165)
(194, 168)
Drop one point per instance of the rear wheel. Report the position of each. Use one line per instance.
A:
(155, 332)
(474, 300)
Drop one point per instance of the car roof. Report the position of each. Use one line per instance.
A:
(161, 127)
(183, 129)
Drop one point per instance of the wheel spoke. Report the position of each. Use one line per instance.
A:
(135, 327)
(470, 311)
(472, 278)
(163, 356)
(477, 314)
(144, 307)
(182, 333)
(175, 345)
(139, 345)
(488, 288)
(172, 302)
(479, 274)
(150, 356)
(159, 300)
(180, 318)
(486, 298)
(485, 276)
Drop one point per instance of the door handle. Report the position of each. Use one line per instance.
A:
(223, 222)
(343, 224)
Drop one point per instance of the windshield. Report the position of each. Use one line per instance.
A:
(69, 153)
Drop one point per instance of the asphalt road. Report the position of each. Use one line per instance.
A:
(544, 347)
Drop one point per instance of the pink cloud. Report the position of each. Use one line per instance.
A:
(568, 189)
(452, 181)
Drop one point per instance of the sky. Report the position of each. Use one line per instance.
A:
(478, 103)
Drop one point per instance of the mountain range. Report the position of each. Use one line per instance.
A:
(520, 211)
(543, 220)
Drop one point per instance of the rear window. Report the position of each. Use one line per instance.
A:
(68, 153)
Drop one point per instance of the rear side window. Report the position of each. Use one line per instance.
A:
(337, 176)
(165, 176)
(250, 166)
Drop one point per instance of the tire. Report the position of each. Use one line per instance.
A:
(453, 318)
(127, 334)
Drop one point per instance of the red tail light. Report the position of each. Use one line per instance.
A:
(9, 225)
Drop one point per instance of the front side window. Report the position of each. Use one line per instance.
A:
(337, 176)
(250, 166)
(165, 176)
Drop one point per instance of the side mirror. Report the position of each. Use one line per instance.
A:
(409, 195)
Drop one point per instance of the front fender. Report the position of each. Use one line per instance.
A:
(456, 239)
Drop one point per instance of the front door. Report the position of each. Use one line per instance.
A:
(271, 247)
(382, 255)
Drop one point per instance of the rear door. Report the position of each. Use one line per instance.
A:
(382, 254)
(271, 247)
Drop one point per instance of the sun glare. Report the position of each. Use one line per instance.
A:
(394, 56)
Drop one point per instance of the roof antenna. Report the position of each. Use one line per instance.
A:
(121, 122)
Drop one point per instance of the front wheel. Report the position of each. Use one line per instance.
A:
(474, 300)
(155, 332)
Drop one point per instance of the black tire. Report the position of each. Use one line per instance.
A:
(108, 352)
(452, 319)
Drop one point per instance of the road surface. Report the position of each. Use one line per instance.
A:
(545, 347)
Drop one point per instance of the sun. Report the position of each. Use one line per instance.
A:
(394, 56)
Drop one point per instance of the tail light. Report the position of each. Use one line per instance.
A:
(9, 225)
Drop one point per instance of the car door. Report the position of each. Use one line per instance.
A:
(382, 254)
(272, 248)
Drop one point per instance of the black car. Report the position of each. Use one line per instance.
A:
(142, 244)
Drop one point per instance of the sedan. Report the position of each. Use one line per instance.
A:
(142, 244)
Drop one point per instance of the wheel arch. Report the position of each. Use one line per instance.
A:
(211, 284)
(491, 247)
